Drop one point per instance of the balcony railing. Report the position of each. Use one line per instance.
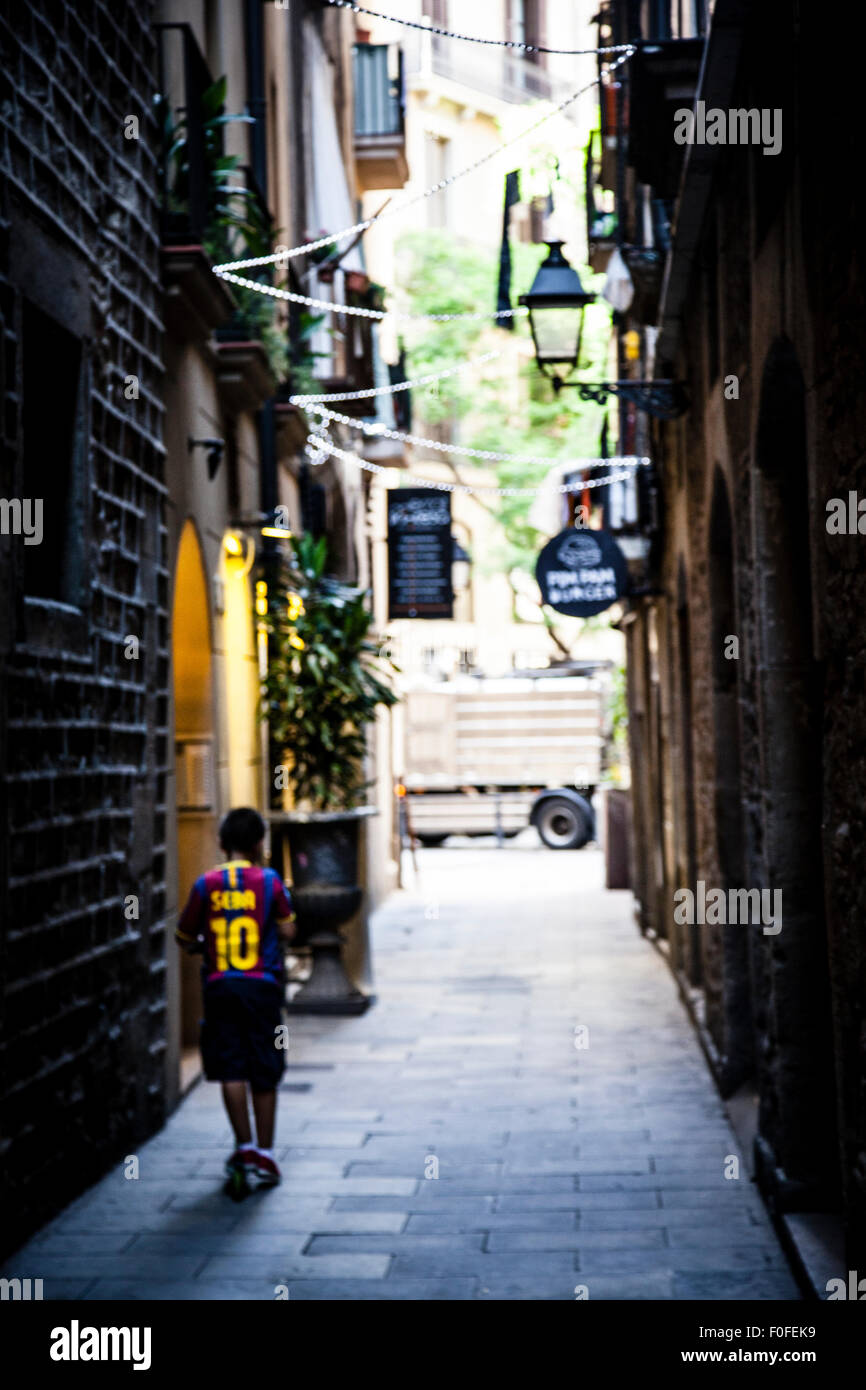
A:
(184, 79)
(498, 74)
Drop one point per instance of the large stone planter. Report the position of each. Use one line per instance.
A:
(323, 848)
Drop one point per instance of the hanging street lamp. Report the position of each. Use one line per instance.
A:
(556, 303)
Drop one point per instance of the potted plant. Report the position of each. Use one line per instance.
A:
(236, 221)
(356, 281)
(325, 683)
(374, 296)
(175, 157)
(324, 258)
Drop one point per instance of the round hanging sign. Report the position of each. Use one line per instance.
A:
(581, 572)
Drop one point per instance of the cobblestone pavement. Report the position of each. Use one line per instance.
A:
(564, 1171)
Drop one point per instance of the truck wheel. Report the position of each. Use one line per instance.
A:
(561, 825)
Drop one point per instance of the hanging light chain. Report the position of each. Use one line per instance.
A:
(379, 431)
(395, 386)
(516, 44)
(287, 253)
(356, 309)
(319, 445)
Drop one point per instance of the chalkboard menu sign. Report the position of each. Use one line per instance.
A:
(419, 553)
(581, 572)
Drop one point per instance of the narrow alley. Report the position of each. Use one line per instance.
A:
(525, 1113)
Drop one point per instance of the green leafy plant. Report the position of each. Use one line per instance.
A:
(237, 222)
(326, 680)
(218, 165)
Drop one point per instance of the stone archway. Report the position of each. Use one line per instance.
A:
(797, 1125)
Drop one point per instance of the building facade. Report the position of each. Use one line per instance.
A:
(84, 652)
(150, 434)
(746, 664)
(461, 101)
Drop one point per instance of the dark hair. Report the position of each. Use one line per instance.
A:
(242, 829)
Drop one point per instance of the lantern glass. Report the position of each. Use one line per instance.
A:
(557, 332)
(556, 302)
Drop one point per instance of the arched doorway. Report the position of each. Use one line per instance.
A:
(798, 1094)
(736, 1042)
(192, 686)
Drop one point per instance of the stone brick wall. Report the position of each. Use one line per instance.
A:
(83, 719)
(790, 281)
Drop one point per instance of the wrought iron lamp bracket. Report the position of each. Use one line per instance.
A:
(663, 399)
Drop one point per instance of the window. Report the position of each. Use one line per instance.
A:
(517, 21)
(212, 37)
(526, 25)
(437, 12)
(659, 19)
(437, 170)
(53, 455)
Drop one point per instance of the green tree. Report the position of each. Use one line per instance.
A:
(440, 275)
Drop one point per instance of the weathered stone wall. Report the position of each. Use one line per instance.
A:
(790, 313)
(83, 721)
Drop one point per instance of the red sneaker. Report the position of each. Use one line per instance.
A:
(243, 1160)
(266, 1170)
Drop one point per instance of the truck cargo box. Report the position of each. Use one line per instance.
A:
(486, 733)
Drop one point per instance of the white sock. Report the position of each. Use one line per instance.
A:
(266, 1153)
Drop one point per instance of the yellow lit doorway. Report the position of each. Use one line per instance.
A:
(195, 790)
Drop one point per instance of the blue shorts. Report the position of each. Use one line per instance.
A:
(239, 1032)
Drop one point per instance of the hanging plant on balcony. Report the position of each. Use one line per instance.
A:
(302, 379)
(373, 296)
(175, 166)
(326, 681)
(236, 221)
(241, 227)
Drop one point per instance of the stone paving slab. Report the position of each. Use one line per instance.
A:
(279, 1268)
(425, 1290)
(562, 1172)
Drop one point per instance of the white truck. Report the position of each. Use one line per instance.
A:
(489, 756)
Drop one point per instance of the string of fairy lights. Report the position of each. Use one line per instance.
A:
(319, 443)
(370, 392)
(287, 253)
(375, 429)
(516, 44)
(321, 446)
(360, 310)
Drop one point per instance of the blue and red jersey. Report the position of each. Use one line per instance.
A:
(235, 912)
